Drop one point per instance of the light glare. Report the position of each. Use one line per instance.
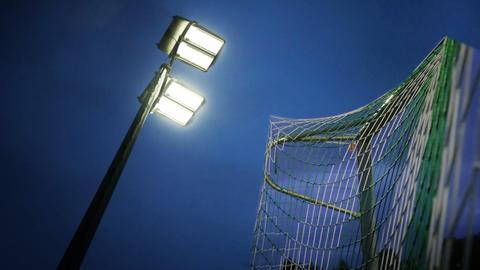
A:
(173, 110)
(204, 40)
(180, 94)
(194, 56)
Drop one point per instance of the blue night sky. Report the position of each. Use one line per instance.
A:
(70, 75)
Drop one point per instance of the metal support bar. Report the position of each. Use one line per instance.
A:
(313, 139)
(73, 257)
(310, 199)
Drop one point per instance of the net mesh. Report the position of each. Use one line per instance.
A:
(361, 189)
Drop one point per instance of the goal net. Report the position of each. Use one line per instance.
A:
(390, 185)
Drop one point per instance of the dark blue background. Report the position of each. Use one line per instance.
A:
(70, 75)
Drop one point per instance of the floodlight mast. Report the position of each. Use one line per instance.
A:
(77, 249)
(73, 257)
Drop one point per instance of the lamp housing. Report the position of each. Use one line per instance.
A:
(178, 102)
(191, 43)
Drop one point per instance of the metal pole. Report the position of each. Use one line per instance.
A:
(73, 257)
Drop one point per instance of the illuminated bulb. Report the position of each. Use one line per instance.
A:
(173, 110)
(182, 95)
(204, 39)
(194, 56)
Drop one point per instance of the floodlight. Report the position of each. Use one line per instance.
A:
(184, 40)
(178, 102)
(191, 43)
(173, 110)
(179, 93)
(192, 56)
(204, 39)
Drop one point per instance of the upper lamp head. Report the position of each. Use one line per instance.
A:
(191, 43)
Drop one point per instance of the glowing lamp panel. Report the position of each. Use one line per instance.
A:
(173, 111)
(204, 40)
(194, 56)
(182, 95)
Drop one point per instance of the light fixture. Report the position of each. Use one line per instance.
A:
(191, 43)
(177, 102)
(184, 40)
(173, 110)
(204, 39)
(182, 95)
(192, 56)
